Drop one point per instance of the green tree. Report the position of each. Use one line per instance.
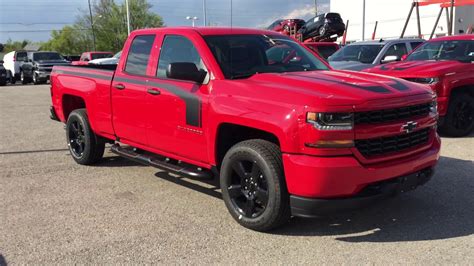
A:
(14, 45)
(110, 27)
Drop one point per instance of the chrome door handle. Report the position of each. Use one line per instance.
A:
(154, 91)
(119, 86)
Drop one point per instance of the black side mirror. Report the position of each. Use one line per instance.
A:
(185, 71)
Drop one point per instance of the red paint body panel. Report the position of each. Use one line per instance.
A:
(451, 74)
(273, 102)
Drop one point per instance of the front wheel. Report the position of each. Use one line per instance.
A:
(253, 185)
(459, 120)
(23, 79)
(84, 145)
(322, 31)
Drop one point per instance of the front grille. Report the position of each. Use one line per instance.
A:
(390, 115)
(384, 145)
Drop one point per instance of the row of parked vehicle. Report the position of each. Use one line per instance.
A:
(36, 66)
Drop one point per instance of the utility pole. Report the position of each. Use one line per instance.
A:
(315, 7)
(92, 24)
(128, 16)
(204, 12)
(363, 20)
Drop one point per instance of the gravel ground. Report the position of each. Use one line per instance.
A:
(55, 211)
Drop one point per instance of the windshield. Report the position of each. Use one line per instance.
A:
(48, 56)
(102, 55)
(444, 50)
(359, 53)
(241, 56)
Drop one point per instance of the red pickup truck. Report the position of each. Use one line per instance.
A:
(88, 56)
(285, 135)
(446, 65)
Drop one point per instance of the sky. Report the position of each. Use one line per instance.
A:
(35, 19)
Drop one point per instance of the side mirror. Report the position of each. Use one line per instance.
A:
(185, 71)
(404, 57)
(389, 58)
(1, 62)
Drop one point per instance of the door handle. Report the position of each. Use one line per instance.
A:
(154, 91)
(119, 86)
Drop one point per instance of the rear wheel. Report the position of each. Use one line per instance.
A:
(253, 185)
(85, 147)
(459, 120)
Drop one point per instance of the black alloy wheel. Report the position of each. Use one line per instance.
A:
(248, 189)
(77, 139)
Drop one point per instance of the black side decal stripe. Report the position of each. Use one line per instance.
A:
(193, 103)
(399, 86)
(83, 74)
(376, 89)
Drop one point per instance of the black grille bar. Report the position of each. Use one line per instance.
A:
(389, 115)
(384, 145)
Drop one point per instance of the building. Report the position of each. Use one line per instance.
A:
(391, 16)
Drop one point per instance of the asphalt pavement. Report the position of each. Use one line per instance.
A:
(53, 210)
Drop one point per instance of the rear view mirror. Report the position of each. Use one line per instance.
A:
(389, 58)
(185, 71)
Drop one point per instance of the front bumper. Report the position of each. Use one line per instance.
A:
(333, 178)
(311, 207)
(43, 75)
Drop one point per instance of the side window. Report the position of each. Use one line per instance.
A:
(139, 54)
(177, 49)
(415, 44)
(21, 56)
(398, 49)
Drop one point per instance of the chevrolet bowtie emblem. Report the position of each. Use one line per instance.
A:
(409, 127)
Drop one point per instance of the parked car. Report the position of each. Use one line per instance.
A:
(284, 137)
(323, 25)
(284, 25)
(13, 62)
(446, 65)
(107, 61)
(39, 66)
(88, 56)
(72, 58)
(3, 74)
(361, 55)
(323, 49)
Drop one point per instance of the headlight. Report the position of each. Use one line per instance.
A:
(423, 80)
(331, 121)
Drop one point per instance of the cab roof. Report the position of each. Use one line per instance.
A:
(466, 37)
(210, 30)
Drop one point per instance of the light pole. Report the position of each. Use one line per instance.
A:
(193, 19)
(128, 17)
(92, 24)
(363, 20)
(204, 12)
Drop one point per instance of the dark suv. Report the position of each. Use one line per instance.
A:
(40, 65)
(323, 25)
(284, 25)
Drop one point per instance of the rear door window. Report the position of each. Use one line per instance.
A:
(139, 54)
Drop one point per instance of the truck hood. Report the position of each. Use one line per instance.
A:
(349, 65)
(330, 87)
(405, 69)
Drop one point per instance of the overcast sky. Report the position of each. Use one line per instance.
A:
(34, 19)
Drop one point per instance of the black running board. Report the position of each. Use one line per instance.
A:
(161, 162)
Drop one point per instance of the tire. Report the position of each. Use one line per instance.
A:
(322, 31)
(253, 185)
(459, 119)
(36, 80)
(85, 147)
(24, 80)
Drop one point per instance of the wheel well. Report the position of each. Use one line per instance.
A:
(71, 103)
(466, 88)
(230, 134)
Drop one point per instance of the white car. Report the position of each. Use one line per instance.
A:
(13, 61)
(107, 61)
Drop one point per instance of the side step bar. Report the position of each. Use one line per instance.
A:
(164, 163)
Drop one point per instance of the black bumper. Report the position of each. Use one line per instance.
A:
(314, 207)
(52, 114)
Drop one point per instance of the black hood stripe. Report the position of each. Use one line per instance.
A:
(375, 88)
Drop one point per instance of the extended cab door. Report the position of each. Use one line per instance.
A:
(129, 91)
(175, 107)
